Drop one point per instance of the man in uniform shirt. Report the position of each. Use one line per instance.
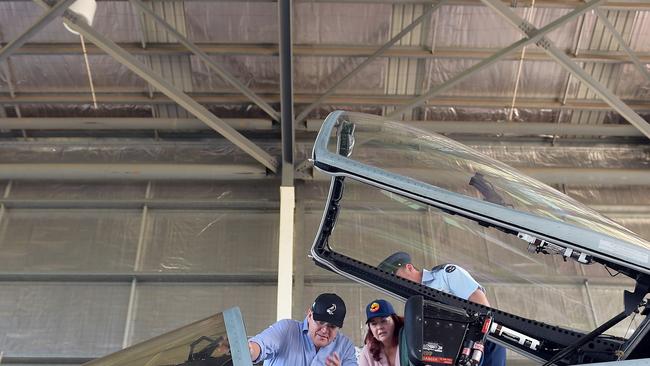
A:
(451, 279)
(314, 341)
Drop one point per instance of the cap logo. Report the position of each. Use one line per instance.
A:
(331, 309)
(374, 307)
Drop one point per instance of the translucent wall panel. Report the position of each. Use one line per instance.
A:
(639, 225)
(64, 320)
(569, 306)
(608, 302)
(221, 191)
(612, 195)
(79, 240)
(61, 73)
(210, 241)
(163, 307)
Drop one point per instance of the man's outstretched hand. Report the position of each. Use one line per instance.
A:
(333, 360)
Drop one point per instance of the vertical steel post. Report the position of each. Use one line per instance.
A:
(287, 189)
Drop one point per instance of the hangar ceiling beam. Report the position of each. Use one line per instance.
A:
(562, 4)
(313, 125)
(139, 172)
(323, 50)
(209, 62)
(144, 172)
(121, 97)
(43, 21)
(528, 29)
(539, 34)
(217, 205)
(153, 203)
(128, 123)
(303, 114)
(168, 89)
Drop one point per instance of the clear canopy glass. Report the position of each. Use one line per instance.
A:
(447, 170)
(442, 202)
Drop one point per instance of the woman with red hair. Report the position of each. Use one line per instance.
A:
(382, 339)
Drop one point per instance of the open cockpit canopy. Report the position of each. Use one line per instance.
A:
(446, 174)
(397, 188)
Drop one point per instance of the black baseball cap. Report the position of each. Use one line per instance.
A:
(329, 308)
(394, 262)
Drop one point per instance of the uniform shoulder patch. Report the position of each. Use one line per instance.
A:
(450, 268)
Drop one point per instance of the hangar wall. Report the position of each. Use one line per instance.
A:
(89, 267)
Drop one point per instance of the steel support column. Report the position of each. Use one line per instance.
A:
(79, 25)
(528, 29)
(379, 52)
(285, 10)
(44, 20)
(301, 247)
(205, 58)
(287, 189)
(285, 252)
(534, 37)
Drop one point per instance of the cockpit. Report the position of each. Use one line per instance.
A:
(543, 258)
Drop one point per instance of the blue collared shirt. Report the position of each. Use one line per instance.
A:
(451, 279)
(287, 343)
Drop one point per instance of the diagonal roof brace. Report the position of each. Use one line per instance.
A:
(619, 38)
(76, 23)
(205, 58)
(528, 29)
(422, 99)
(429, 10)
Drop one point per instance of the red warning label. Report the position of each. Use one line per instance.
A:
(442, 360)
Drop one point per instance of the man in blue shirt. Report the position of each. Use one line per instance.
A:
(314, 341)
(451, 279)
